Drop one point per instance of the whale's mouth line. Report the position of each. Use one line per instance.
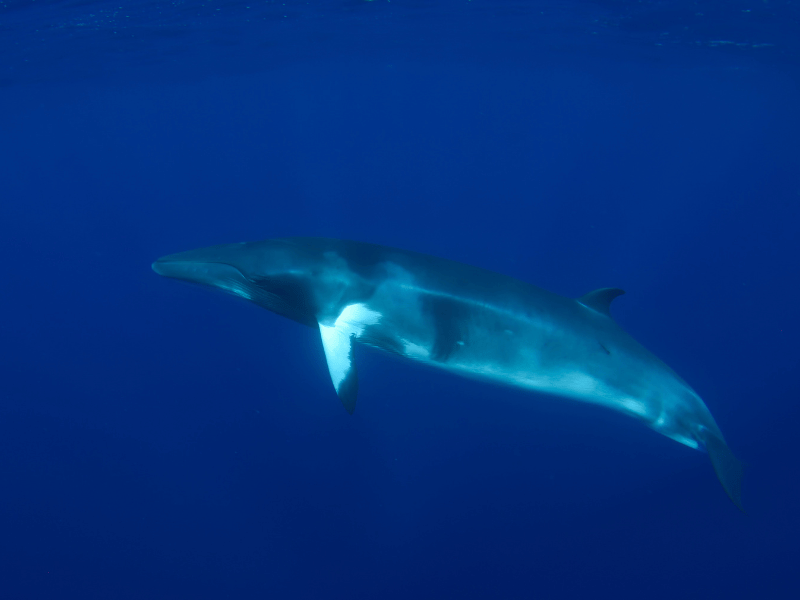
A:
(161, 266)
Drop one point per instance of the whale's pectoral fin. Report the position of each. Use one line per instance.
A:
(727, 467)
(338, 345)
(337, 339)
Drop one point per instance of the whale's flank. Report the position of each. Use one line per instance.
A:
(465, 320)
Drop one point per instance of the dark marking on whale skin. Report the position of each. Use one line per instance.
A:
(449, 318)
(290, 298)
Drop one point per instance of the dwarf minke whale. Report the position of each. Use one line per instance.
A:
(463, 319)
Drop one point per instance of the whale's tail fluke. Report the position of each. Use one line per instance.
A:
(727, 467)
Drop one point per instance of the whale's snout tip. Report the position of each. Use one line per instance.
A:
(161, 265)
(171, 266)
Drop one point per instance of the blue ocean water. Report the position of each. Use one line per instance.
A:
(161, 441)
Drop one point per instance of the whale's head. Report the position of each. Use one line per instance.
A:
(274, 274)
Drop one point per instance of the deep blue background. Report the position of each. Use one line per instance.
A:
(161, 441)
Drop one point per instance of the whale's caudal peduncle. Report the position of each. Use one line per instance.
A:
(466, 320)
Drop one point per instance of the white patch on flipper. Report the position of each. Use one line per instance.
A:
(337, 353)
(337, 338)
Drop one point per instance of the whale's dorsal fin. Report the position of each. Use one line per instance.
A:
(600, 300)
(337, 340)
